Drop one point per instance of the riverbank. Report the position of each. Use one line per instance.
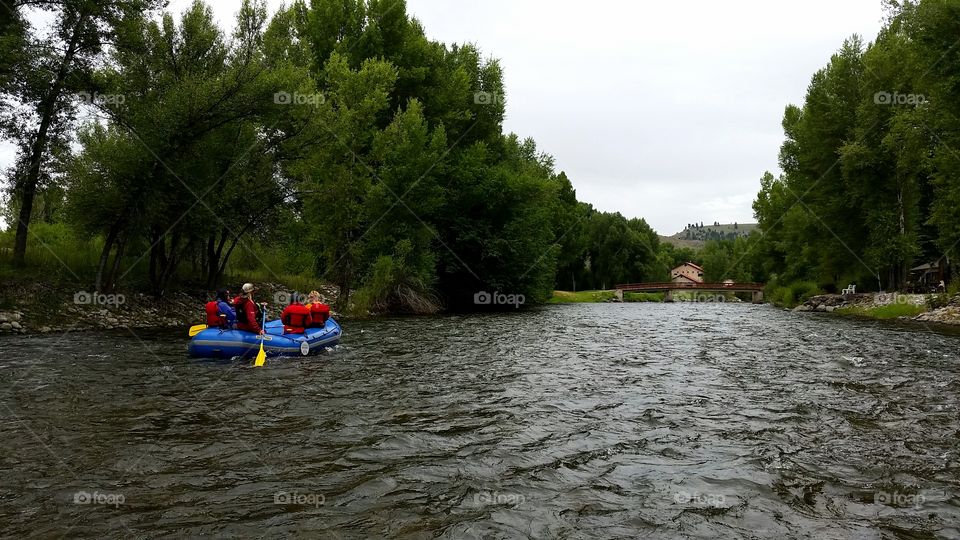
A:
(597, 297)
(604, 296)
(34, 307)
(926, 308)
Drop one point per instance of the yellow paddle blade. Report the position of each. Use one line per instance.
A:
(261, 356)
(196, 329)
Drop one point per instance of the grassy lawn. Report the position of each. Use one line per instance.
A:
(566, 297)
(890, 311)
(642, 297)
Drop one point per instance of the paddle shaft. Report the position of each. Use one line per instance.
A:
(262, 356)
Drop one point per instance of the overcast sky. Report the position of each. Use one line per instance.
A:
(668, 111)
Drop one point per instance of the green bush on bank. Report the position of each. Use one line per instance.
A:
(55, 251)
(792, 294)
(58, 253)
(937, 301)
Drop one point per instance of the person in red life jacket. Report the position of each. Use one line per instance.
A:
(220, 313)
(319, 312)
(248, 313)
(296, 316)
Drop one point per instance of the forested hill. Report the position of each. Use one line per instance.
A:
(696, 235)
(330, 141)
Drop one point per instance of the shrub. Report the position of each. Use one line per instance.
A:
(791, 294)
(937, 301)
(395, 285)
(802, 290)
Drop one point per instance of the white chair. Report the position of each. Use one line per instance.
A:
(851, 289)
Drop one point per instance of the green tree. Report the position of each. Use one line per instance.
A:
(46, 82)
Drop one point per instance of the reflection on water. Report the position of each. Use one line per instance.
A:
(605, 421)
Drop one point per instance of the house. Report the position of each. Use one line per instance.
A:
(927, 277)
(687, 273)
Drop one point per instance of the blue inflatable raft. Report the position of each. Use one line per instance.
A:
(217, 343)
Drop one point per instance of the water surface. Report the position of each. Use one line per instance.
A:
(575, 421)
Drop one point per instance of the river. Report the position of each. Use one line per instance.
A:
(573, 421)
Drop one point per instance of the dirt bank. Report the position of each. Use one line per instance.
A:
(32, 307)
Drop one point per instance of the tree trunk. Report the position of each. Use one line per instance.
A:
(208, 261)
(223, 263)
(344, 282)
(214, 254)
(105, 255)
(902, 262)
(117, 259)
(167, 263)
(157, 259)
(48, 109)
(219, 259)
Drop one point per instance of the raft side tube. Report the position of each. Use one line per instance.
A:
(218, 343)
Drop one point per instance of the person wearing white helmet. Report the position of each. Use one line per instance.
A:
(248, 313)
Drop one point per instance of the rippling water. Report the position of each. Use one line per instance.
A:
(577, 421)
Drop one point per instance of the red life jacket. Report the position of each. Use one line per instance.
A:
(319, 313)
(245, 308)
(214, 320)
(296, 318)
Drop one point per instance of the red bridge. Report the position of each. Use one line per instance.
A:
(669, 286)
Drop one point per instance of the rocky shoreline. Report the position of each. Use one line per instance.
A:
(948, 313)
(43, 308)
(829, 303)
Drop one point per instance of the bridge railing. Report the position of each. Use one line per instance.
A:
(670, 285)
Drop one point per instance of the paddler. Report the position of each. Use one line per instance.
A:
(248, 313)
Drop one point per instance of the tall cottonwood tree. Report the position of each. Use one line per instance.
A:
(57, 68)
(870, 175)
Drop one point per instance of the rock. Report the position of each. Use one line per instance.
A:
(15, 317)
(45, 329)
(113, 321)
(6, 327)
(831, 309)
(803, 307)
(947, 315)
(3, 318)
(15, 325)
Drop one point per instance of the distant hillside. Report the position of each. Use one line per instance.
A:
(696, 235)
